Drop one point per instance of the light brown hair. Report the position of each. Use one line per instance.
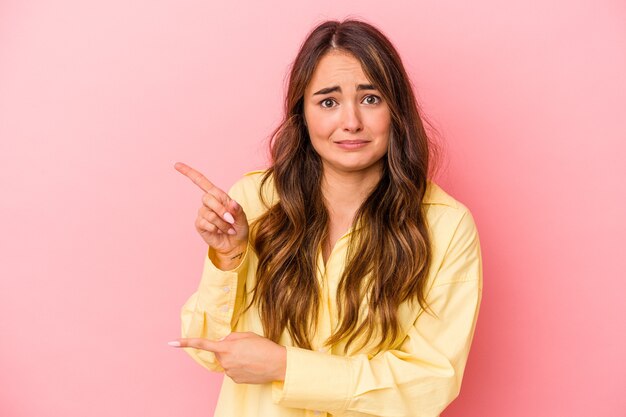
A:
(392, 242)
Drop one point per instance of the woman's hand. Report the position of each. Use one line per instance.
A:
(221, 222)
(247, 358)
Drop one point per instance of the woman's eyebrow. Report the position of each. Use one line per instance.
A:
(337, 88)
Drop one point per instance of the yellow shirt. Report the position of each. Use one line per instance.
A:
(419, 379)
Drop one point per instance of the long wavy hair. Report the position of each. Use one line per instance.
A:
(392, 240)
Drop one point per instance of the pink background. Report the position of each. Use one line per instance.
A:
(98, 248)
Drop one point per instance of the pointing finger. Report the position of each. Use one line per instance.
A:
(195, 176)
(204, 344)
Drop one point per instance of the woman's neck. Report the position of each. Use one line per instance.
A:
(344, 192)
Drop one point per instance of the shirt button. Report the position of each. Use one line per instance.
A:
(224, 308)
(323, 350)
(226, 289)
(317, 412)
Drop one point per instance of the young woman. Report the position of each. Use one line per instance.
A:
(340, 281)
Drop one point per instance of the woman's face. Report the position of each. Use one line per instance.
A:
(347, 119)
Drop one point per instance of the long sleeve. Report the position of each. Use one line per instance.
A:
(420, 378)
(212, 311)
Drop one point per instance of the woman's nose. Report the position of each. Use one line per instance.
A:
(351, 119)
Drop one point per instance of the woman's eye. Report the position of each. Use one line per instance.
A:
(372, 99)
(326, 101)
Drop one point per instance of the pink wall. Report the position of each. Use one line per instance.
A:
(99, 99)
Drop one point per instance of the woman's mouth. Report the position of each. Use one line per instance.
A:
(352, 144)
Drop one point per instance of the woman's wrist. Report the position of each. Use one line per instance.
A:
(228, 260)
(281, 372)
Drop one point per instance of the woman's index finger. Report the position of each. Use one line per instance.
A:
(195, 176)
(204, 344)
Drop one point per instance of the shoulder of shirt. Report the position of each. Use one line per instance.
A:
(257, 173)
(438, 203)
(251, 179)
(247, 189)
(435, 195)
